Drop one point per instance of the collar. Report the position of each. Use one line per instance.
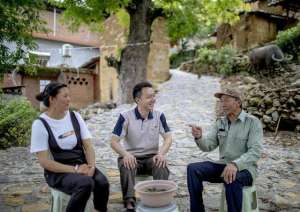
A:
(139, 116)
(242, 116)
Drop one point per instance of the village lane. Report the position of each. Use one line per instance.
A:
(185, 99)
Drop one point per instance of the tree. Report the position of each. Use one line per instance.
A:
(184, 18)
(19, 19)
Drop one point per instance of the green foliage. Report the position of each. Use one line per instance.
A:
(182, 56)
(34, 70)
(222, 11)
(184, 17)
(186, 55)
(204, 31)
(210, 44)
(189, 17)
(19, 19)
(123, 18)
(220, 59)
(16, 117)
(224, 61)
(289, 40)
(89, 12)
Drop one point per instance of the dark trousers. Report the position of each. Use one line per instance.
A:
(211, 172)
(145, 166)
(80, 188)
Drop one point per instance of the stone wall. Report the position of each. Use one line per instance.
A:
(113, 40)
(158, 60)
(253, 30)
(274, 100)
(224, 35)
(258, 26)
(31, 89)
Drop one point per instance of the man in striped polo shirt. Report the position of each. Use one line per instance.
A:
(139, 128)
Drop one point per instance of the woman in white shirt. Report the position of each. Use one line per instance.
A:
(65, 151)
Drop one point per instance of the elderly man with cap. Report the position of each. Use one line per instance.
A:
(239, 136)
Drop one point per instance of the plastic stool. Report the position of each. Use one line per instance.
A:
(169, 208)
(60, 200)
(249, 200)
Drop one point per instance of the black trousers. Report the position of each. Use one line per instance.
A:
(145, 166)
(80, 188)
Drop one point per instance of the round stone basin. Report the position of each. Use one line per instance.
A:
(156, 193)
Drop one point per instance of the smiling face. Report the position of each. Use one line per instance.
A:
(62, 100)
(229, 104)
(146, 99)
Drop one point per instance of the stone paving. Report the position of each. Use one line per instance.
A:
(184, 99)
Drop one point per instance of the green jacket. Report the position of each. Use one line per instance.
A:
(240, 142)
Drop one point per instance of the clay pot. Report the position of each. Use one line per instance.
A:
(156, 193)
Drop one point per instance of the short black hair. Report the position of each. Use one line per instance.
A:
(137, 90)
(51, 89)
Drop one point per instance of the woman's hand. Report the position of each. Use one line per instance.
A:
(83, 169)
(91, 171)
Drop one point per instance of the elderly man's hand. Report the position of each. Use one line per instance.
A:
(196, 131)
(229, 173)
(160, 160)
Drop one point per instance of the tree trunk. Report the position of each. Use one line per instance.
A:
(133, 66)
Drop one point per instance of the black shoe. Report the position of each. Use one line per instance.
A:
(130, 210)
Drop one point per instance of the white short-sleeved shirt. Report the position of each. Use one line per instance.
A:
(62, 129)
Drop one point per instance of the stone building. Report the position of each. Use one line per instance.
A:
(111, 42)
(84, 69)
(260, 25)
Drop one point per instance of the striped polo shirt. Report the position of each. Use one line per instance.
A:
(141, 136)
